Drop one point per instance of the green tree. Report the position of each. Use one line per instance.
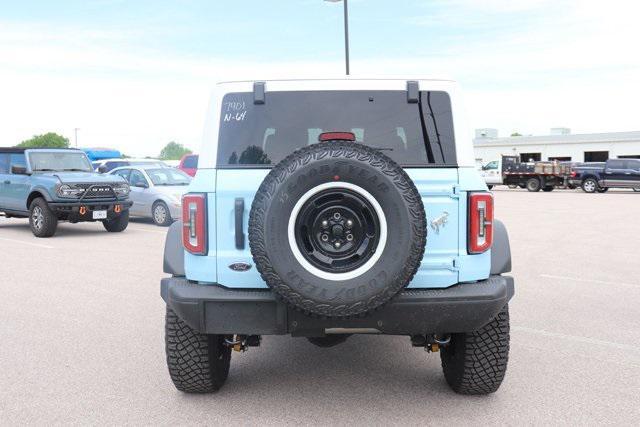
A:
(173, 151)
(516, 134)
(48, 140)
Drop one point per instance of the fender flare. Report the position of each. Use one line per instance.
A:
(500, 250)
(174, 251)
(41, 190)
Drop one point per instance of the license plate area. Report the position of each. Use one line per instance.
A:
(99, 214)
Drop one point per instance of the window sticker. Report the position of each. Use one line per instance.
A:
(234, 111)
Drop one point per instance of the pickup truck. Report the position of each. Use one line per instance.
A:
(51, 185)
(534, 176)
(599, 177)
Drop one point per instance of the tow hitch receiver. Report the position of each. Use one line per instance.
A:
(243, 342)
(430, 343)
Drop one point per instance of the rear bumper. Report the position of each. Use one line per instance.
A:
(214, 309)
(71, 210)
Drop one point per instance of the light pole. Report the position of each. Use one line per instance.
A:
(75, 131)
(346, 31)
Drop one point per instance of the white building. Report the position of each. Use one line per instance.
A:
(560, 145)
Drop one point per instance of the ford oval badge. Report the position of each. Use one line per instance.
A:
(240, 266)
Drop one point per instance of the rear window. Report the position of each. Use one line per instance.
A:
(261, 135)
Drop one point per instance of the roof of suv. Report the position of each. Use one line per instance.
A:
(22, 150)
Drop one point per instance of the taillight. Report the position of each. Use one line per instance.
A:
(194, 218)
(480, 222)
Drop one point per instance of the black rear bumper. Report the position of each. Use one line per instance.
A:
(214, 309)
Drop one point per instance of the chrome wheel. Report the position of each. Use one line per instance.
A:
(589, 186)
(38, 217)
(160, 213)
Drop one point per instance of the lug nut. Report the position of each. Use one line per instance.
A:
(337, 245)
(349, 223)
(324, 238)
(324, 223)
(336, 216)
(349, 237)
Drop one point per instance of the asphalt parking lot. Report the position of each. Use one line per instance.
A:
(81, 333)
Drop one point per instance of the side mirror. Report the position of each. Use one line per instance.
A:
(141, 184)
(19, 170)
(102, 169)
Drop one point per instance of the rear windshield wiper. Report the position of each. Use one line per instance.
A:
(75, 170)
(45, 170)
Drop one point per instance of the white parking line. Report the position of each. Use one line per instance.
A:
(577, 279)
(585, 340)
(37, 245)
(148, 231)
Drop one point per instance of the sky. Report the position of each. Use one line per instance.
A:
(135, 75)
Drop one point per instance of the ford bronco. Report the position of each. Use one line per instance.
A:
(51, 185)
(327, 208)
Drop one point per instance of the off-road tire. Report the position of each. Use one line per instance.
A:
(533, 184)
(197, 363)
(476, 362)
(156, 218)
(317, 165)
(42, 220)
(117, 224)
(547, 188)
(590, 185)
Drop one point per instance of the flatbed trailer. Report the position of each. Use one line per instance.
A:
(534, 176)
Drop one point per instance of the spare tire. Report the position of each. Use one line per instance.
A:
(337, 229)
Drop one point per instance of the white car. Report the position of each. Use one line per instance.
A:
(156, 192)
(107, 165)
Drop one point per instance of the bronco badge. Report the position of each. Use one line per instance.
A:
(240, 266)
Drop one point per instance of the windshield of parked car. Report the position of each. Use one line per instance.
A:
(61, 161)
(411, 133)
(168, 176)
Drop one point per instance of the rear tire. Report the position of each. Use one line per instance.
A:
(533, 184)
(198, 363)
(160, 214)
(42, 220)
(476, 362)
(590, 185)
(117, 224)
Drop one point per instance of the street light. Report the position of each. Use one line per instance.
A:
(346, 31)
(75, 130)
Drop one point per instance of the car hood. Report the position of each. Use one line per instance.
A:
(84, 177)
(175, 191)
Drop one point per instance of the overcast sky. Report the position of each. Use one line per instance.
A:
(134, 75)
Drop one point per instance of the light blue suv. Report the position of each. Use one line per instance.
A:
(327, 208)
(51, 185)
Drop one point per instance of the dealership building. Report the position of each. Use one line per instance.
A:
(560, 145)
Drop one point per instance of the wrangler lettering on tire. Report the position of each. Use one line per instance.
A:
(337, 229)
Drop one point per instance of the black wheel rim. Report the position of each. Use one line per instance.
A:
(337, 230)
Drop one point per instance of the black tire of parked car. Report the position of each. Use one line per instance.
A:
(117, 224)
(590, 185)
(160, 214)
(324, 173)
(42, 220)
(198, 363)
(533, 184)
(476, 362)
(603, 189)
(547, 188)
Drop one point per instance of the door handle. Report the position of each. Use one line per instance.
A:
(239, 218)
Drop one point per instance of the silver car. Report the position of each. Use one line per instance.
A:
(156, 191)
